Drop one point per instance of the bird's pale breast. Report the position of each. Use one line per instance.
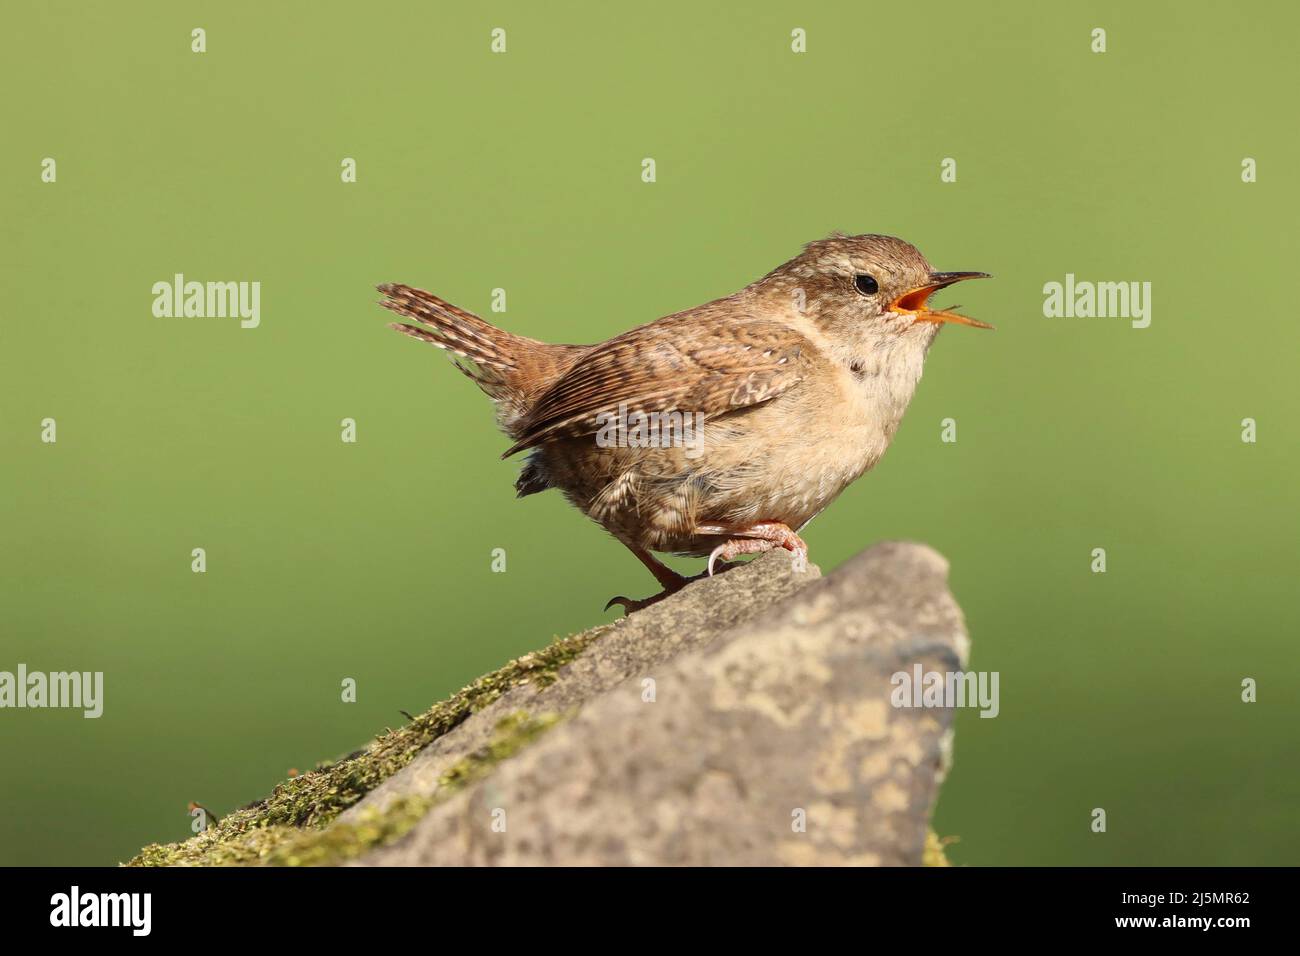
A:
(784, 460)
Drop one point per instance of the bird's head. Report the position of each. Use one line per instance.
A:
(870, 286)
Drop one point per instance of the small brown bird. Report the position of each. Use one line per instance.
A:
(722, 430)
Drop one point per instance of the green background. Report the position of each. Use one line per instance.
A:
(326, 560)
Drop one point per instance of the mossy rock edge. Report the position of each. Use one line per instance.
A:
(295, 825)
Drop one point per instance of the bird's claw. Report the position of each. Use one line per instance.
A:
(729, 549)
(768, 535)
(630, 605)
(773, 536)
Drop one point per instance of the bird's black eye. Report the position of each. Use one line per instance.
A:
(866, 284)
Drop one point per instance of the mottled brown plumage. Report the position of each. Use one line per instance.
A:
(799, 380)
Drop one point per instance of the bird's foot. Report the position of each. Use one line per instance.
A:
(737, 546)
(672, 582)
(743, 539)
(629, 605)
(755, 539)
(670, 589)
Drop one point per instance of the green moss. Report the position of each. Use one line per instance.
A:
(375, 827)
(295, 825)
(289, 825)
(512, 734)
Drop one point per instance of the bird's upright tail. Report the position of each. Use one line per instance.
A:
(512, 369)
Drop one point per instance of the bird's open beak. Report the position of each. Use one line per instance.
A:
(913, 303)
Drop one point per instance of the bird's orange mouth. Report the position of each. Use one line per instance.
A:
(914, 303)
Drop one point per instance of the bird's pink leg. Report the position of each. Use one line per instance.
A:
(743, 539)
(670, 580)
(753, 539)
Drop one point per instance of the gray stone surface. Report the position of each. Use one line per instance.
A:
(771, 692)
(627, 647)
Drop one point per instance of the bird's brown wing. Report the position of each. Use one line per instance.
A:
(686, 364)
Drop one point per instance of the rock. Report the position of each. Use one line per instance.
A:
(771, 704)
(744, 721)
(635, 645)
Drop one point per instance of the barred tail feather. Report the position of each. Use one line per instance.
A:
(511, 369)
(452, 328)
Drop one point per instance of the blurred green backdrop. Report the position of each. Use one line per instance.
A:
(522, 171)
